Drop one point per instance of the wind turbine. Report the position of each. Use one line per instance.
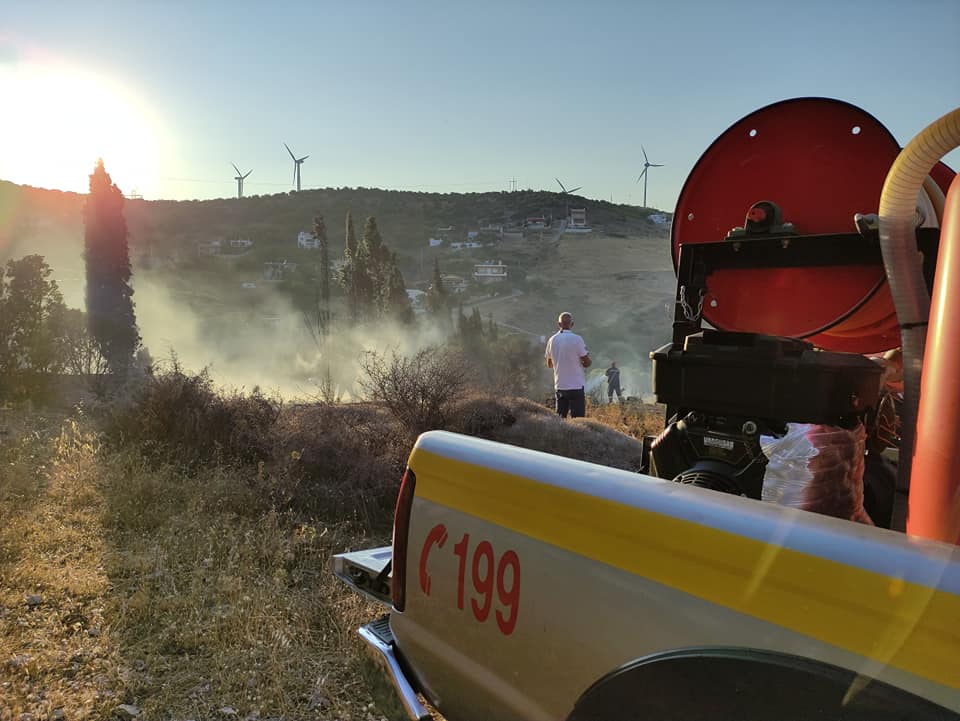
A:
(565, 191)
(646, 164)
(240, 178)
(296, 165)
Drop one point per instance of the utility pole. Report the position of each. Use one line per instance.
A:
(513, 185)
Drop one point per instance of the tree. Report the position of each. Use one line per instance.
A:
(397, 304)
(110, 314)
(81, 353)
(349, 274)
(319, 325)
(350, 244)
(320, 233)
(436, 300)
(493, 331)
(32, 317)
(376, 257)
(371, 278)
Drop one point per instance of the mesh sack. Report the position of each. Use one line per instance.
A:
(817, 468)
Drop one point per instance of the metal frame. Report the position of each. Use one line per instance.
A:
(698, 261)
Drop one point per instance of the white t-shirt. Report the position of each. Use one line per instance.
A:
(566, 349)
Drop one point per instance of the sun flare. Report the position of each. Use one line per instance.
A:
(58, 120)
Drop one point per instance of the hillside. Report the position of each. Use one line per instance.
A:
(615, 280)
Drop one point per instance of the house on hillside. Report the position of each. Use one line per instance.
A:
(209, 247)
(434, 242)
(307, 240)
(465, 244)
(241, 243)
(453, 283)
(577, 222)
(537, 222)
(658, 218)
(418, 300)
(278, 269)
(489, 271)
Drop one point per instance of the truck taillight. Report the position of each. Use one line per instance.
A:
(401, 529)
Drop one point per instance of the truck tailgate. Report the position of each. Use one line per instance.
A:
(367, 571)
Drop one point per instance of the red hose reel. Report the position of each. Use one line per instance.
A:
(819, 162)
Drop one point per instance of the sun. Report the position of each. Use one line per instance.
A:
(57, 120)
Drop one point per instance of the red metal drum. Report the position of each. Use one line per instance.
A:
(821, 161)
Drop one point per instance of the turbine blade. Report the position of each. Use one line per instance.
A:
(574, 190)
(303, 158)
(642, 174)
(560, 184)
(289, 151)
(645, 158)
(237, 169)
(656, 165)
(248, 172)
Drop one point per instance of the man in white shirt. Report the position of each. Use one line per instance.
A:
(567, 354)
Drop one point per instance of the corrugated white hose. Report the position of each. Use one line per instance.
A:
(898, 209)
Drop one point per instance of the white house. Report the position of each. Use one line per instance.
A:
(307, 240)
(658, 218)
(577, 222)
(460, 245)
(434, 242)
(209, 247)
(489, 271)
(241, 243)
(453, 283)
(417, 300)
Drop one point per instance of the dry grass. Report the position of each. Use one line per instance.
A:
(55, 648)
(632, 417)
(182, 595)
(185, 578)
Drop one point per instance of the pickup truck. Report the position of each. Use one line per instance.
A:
(529, 586)
(534, 587)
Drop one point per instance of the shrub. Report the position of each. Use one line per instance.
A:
(340, 461)
(184, 416)
(418, 390)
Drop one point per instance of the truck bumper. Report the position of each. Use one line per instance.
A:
(379, 640)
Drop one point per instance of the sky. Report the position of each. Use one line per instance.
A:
(440, 96)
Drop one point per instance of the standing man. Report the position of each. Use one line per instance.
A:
(613, 382)
(567, 354)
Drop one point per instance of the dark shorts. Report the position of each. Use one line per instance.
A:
(572, 402)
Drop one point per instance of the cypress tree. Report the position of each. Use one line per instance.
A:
(437, 295)
(378, 266)
(476, 324)
(320, 233)
(349, 274)
(110, 314)
(350, 244)
(323, 286)
(398, 304)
